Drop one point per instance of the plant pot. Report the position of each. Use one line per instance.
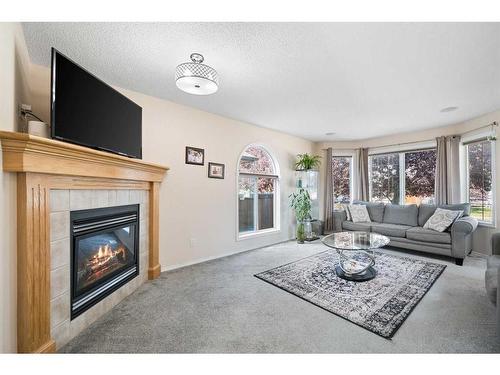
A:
(301, 231)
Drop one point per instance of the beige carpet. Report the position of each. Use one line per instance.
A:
(220, 307)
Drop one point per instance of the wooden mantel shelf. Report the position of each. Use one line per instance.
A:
(28, 153)
(42, 164)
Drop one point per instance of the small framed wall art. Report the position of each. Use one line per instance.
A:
(195, 156)
(215, 170)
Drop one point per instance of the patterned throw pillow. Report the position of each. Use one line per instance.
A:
(442, 219)
(345, 207)
(359, 213)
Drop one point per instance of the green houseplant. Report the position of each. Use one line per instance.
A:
(307, 162)
(300, 201)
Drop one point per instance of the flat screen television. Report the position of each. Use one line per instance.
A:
(89, 112)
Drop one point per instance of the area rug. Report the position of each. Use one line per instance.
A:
(380, 305)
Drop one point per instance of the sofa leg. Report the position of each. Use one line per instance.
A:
(459, 261)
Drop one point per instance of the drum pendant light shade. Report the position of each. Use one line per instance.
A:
(196, 78)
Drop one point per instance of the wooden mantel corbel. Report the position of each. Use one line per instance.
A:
(42, 164)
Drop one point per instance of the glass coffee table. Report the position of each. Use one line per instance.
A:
(356, 253)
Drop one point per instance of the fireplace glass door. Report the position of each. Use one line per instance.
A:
(105, 253)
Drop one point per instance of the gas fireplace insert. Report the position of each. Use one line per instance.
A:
(104, 253)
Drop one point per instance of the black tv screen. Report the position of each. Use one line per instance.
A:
(88, 112)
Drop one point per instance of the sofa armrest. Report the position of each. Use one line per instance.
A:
(461, 236)
(495, 244)
(339, 216)
(465, 225)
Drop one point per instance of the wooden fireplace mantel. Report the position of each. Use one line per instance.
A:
(42, 164)
(28, 153)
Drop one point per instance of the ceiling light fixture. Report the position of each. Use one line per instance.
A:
(449, 109)
(330, 133)
(196, 78)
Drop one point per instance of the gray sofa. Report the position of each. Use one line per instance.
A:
(492, 277)
(403, 224)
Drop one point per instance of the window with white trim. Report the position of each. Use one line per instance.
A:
(342, 180)
(258, 191)
(480, 180)
(403, 177)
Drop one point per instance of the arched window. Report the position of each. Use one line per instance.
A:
(258, 192)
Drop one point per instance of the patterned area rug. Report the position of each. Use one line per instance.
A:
(380, 305)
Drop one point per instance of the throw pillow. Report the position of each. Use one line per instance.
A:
(442, 219)
(359, 213)
(345, 207)
(460, 214)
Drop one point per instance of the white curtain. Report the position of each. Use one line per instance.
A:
(329, 200)
(361, 175)
(447, 185)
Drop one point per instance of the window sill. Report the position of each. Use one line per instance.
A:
(484, 224)
(260, 233)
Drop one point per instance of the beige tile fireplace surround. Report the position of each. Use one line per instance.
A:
(62, 202)
(53, 179)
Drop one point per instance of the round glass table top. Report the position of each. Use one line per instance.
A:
(355, 240)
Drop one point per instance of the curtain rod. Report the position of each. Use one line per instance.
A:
(388, 145)
(494, 123)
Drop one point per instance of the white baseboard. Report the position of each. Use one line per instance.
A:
(478, 254)
(206, 259)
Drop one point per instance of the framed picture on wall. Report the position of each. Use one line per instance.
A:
(215, 170)
(195, 156)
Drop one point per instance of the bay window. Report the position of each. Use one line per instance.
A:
(342, 177)
(420, 176)
(403, 177)
(384, 178)
(480, 180)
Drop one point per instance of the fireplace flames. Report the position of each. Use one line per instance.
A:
(105, 257)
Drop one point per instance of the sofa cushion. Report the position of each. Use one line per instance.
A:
(375, 210)
(363, 227)
(392, 230)
(428, 235)
(491, 277)
(359, 213)
(425, 211)
(401, 214)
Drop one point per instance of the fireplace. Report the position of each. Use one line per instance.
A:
(104, 254)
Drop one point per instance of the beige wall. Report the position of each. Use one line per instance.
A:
(13, 90)
(198, 214)
(482, 236)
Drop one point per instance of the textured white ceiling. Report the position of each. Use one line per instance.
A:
(359, 80)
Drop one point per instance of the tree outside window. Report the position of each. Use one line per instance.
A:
(480, 179)
(384, 178)
(420, 176)
(341, 168)
(403, 177)
(257, 182)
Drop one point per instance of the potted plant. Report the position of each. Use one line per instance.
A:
(300, 201)
(307, 162)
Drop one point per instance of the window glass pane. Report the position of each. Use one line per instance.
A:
(246, 203)
(341, 175)
(256, 160)
(480, 181)
(257, 195)
(384, 178)
(265, 189)
(420, 172)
